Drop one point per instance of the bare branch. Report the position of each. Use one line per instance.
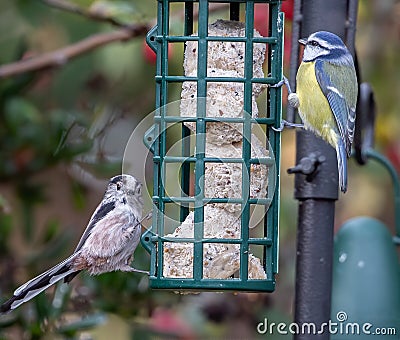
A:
(63, 55)
(93, 15)
(98, 16)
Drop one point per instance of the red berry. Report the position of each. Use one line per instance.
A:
(287, 7)
(261, 19)
(148, 54)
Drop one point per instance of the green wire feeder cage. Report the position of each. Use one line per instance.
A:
(216, 190)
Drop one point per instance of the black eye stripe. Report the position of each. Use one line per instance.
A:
(119, 185)
(315, 43)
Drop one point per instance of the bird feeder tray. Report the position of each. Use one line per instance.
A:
(216, 190)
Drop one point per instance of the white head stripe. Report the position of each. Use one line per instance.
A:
(326, 44)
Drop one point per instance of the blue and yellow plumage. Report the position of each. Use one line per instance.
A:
(326, 94)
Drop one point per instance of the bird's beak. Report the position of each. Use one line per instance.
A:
(303, 41)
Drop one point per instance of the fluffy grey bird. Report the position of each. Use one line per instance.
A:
(107, 244)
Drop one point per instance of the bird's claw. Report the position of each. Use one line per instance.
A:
(285, 82)
(279, 84)
(280, 128)
(285, 123)
(148, 216)
(139, 271)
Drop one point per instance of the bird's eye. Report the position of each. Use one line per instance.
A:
(313, 43)
(119, 186)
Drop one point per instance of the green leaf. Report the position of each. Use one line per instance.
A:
(51, 230)
(60, 300)
(5, 231)
(85, 323)
(78, 195)
(20, 115)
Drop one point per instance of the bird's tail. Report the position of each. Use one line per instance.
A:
(341, 156)
(38, 284)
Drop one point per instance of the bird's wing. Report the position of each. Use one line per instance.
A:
(109, 235)
(339, 85)
(101, 212)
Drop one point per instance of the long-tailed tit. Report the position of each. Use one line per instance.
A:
(107, 244)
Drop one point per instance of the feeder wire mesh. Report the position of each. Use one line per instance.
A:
(200, 256)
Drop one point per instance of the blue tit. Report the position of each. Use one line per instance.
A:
(327, 94)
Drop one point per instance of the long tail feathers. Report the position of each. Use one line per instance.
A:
(341, 155)
(38, 284)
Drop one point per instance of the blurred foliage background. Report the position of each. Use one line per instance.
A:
(63, 131)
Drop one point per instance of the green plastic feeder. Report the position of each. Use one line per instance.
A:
(177, 205)
(366, 276)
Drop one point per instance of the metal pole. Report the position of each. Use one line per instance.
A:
(316, 192)
(315, 235)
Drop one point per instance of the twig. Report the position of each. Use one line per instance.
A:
(60, 57)
(98, 16)
(63, 55)
(93, 15)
